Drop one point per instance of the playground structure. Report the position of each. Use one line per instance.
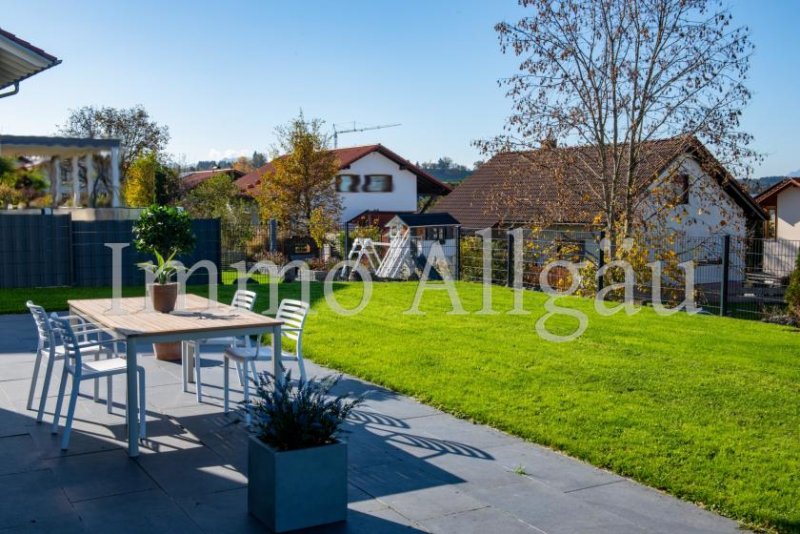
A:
(411, 237)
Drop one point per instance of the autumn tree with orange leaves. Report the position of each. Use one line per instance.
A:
(300, 190)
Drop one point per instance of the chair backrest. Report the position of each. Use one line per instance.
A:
(63, 330)
(293, 313)
(43, 327)
(244, 299)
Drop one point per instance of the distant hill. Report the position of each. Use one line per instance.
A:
(758, 185)
(446, 170)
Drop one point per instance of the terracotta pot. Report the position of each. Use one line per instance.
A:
(164, 296)
(168, 351)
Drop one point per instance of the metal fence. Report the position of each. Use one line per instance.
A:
(54, 250)
(733, 276)
(737, 277)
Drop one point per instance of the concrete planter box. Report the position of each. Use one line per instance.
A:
(288, 490)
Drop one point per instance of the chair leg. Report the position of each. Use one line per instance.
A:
(185, 366)
(48, 373)
(73, 400)
(254, 370)
(302, 367)
(110, 392)
(246, 399)
(59, 402)
(35, 377)
(198, 383)
(97, 381)
(225, 383)
(240, 372)
(142, 405)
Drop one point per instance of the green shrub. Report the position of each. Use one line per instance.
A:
(289, 416)
(793, 291)
(163, 229)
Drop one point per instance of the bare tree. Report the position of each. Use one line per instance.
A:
(617, 75)
(137, 132)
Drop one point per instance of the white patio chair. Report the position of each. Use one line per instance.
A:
(293, 313)
(81, 370)
(47, 346)
(242, 299)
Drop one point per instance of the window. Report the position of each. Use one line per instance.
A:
(347, 183)
(682, 182)
(377, 183)
(772, 223)
(438, 233)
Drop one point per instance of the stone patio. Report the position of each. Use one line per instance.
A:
(412, 468)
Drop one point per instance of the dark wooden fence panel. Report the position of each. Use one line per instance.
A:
(52, 250)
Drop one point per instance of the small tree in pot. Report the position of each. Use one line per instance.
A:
(165, 232)
(297, 466)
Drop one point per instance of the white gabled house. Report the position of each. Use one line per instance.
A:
(370, 178)
(782, 233)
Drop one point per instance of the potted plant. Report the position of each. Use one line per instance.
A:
(165, 232)
(297, 465)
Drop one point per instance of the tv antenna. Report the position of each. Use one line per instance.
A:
(354, 129)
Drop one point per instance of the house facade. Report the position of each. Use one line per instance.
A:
(781, 202)
(688, 197)
(370, 178)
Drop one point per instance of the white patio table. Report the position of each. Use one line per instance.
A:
(197, 318)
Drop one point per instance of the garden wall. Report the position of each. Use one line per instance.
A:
(46, 250)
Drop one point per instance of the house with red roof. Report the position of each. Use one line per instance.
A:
(782, 204)
(371, 178)
(192, 179)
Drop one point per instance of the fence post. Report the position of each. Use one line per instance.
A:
(457, 232)
(726, 264)
(509, 259)
(273, 235)
(218, 236)
(346, 251)
(601, 261)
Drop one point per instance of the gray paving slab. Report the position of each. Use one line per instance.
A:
(144, 511)
(19, 491)
(551, 467)
(104, 474)
(654, 510)
(551, 510)
(221, 512)
(481, 521)
(18, 453)
(190, 472)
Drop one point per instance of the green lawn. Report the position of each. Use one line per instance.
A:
(703, 407)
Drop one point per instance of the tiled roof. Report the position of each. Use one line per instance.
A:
(193, 179)
(559, 185)
(426, 184)
(769, 197)
(15, 67)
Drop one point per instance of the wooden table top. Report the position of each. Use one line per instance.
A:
(197, 314)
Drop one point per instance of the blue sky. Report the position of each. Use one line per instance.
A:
(222, 75)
